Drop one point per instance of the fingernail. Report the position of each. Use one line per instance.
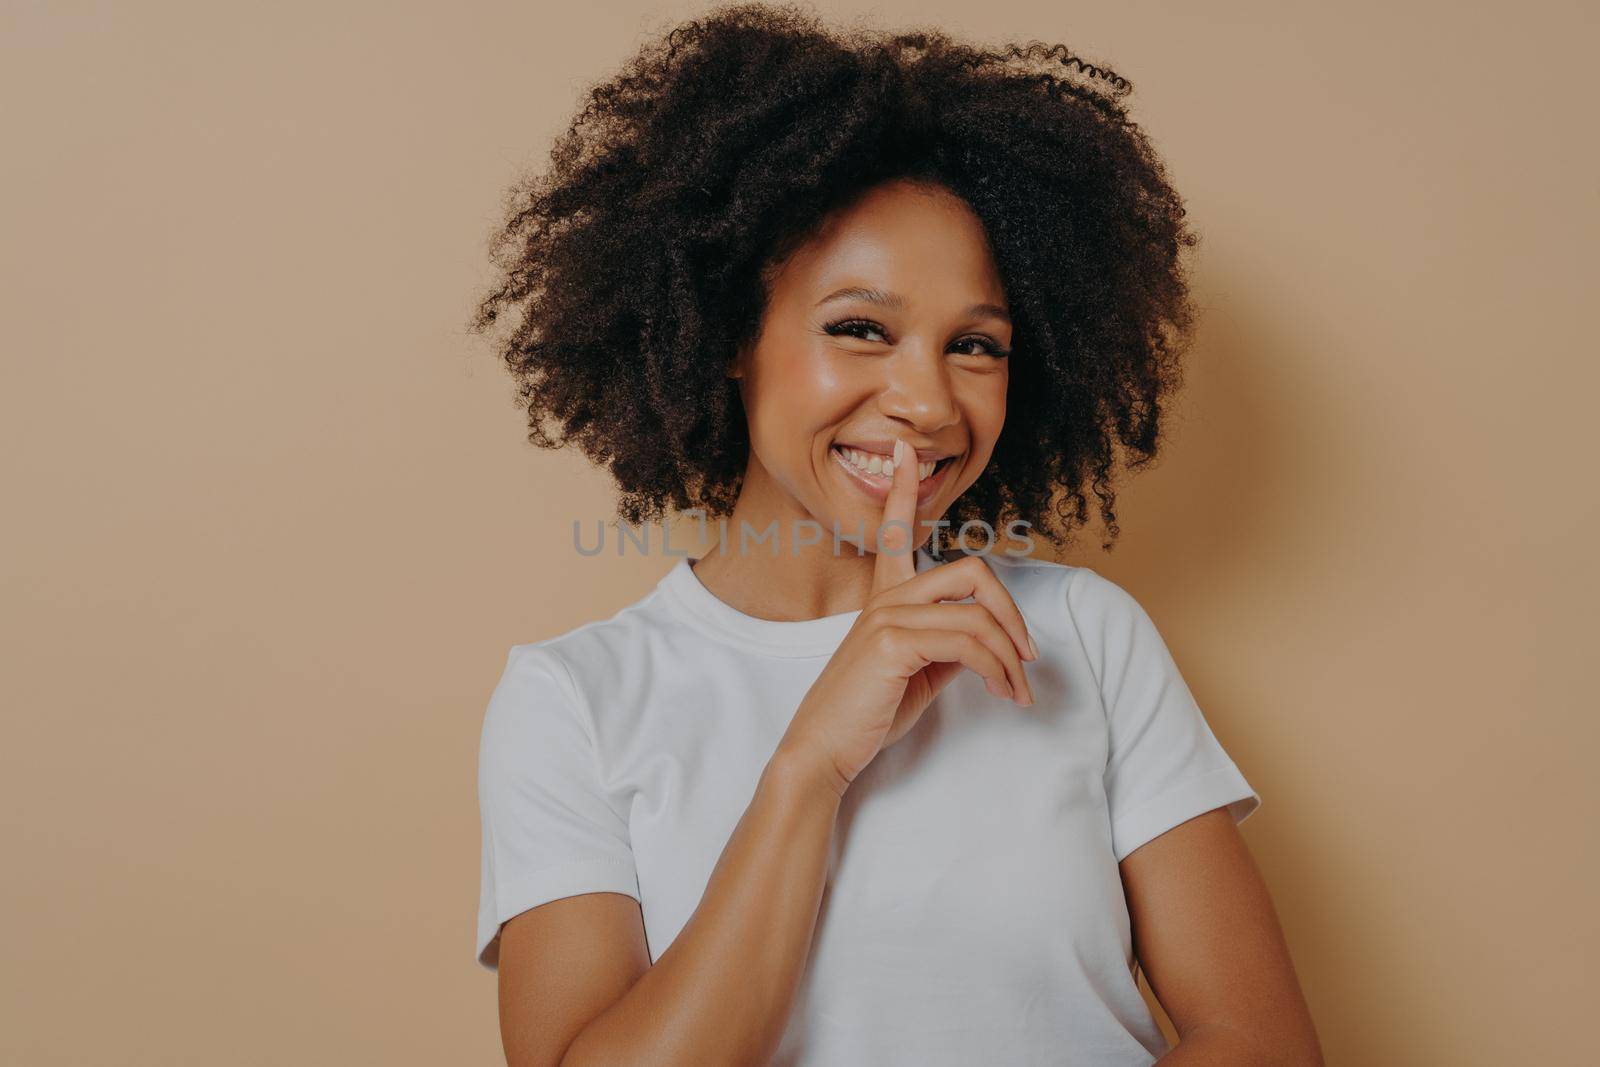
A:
(898, 444)
(1033, 646)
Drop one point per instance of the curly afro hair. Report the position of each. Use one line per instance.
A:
(639, 263)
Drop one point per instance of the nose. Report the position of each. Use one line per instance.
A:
(917, 390)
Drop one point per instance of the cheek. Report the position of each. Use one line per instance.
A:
(801, 389)
(984, 404)
(792, 395)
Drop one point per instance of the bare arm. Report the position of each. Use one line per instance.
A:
(1207, 936)
(722, 991)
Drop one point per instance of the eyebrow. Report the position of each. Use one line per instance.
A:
(898, 303)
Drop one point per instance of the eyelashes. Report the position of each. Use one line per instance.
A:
(856, 327)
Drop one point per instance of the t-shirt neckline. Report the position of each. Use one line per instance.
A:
(773, 637)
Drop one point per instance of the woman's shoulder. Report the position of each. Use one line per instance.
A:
(1067, 598)
(596, 649)
(1027, 568)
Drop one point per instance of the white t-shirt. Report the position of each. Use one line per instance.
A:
(973, 911)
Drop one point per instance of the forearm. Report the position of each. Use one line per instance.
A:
(722, 991)
(1233, 1047)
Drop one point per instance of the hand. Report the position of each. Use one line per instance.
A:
(907, 645)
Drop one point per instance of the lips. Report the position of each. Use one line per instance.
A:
(884, 447)
(873, 462)
(856, 462)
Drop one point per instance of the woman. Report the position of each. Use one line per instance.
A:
(819, 798)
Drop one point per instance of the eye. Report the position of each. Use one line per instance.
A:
(853, 328)
(986, 346)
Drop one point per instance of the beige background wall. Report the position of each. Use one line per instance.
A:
(272, 525)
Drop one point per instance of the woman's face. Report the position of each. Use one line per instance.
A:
(890, 322)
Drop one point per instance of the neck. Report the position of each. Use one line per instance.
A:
(781, 576)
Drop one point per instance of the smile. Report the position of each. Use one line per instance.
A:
(873, 472)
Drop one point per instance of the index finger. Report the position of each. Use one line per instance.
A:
(970, 577)
(896, 562)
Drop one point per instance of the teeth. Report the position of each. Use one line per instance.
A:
(873, 463)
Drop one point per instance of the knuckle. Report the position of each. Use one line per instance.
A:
(893, 616)
(974, 565)
(890, 639)
(879, 613)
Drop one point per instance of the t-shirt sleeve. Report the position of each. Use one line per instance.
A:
(1163, 766)
(549, 830)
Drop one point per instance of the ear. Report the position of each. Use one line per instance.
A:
(736, 369)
